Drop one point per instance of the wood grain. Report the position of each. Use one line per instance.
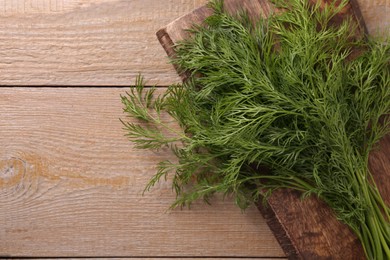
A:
(376, 14)
(101, 42)
(85, 42)
(305, 229)
(71, 185)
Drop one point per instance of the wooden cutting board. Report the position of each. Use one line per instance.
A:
(305, 229)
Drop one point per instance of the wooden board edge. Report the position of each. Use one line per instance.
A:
(164, 35)
(168, 45)
(297, 237)
(166, 42)
(278, 229)
(356, 11)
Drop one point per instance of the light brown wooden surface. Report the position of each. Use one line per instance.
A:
(376, 14)
(71, 185)
(101, 42)
(85, 42)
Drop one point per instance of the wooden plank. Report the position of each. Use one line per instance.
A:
(85, 42)
(71, 185)
(317, 234)
(100, 42)
(376, 14)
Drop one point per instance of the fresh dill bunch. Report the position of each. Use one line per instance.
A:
(282, 94)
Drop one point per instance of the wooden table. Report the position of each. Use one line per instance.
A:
(70, 182)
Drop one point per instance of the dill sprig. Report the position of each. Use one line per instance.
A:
(281, 94)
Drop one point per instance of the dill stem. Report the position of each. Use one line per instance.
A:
(157, 121)
(381, 230)
(374, 231)
(376, 223)
(376, 194)
(368, 240)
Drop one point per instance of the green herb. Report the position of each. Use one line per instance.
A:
(282, 93)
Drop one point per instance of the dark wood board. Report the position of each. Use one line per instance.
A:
(305, 229)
